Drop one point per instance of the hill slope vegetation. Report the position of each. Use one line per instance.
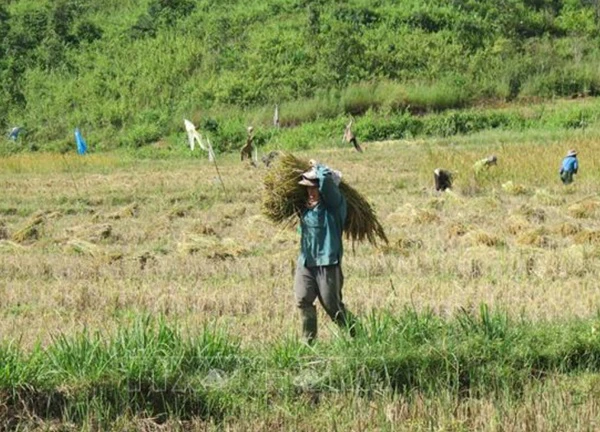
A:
(127, 71)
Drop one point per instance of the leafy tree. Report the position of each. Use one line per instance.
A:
(169, 11)
(145, 26)
(87, 31)
(4, 29)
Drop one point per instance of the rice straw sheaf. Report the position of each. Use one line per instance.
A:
(284, 199)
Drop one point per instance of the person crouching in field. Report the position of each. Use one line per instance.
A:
(569, 167)
(442, 179)
(319, 268)
(483, 164)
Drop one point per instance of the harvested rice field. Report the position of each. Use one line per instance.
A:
(93, 246)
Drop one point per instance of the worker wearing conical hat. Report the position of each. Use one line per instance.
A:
(569, 167)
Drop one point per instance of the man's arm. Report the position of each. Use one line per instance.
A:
(329, 191)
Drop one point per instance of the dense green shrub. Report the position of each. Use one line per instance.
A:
(372, 128)
(454, 123)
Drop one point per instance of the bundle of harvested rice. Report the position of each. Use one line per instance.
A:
(284, 199)
(83, 247)
(30, 231)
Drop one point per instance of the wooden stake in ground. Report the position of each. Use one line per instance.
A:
(70, 171)
(214, 159)
(276, 117)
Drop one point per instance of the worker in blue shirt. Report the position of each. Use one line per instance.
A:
(569, 167)
(319, 268)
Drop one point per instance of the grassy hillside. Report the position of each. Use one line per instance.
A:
(128, 72)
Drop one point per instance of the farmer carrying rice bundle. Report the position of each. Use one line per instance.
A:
(326, 207)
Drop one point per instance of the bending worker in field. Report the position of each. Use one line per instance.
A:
(443, 179)
(483, 164)
(569, 167)
(319, 268)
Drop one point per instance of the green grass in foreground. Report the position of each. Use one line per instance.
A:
(153, 370)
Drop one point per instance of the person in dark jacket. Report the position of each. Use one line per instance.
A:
(319, 267)
(442, 179)
(569, 167)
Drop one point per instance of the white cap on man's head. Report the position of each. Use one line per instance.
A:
(309, 178)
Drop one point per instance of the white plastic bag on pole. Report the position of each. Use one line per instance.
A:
(195, 137)
(192, 134)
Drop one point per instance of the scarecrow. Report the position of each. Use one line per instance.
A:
(246, 151)
(351, 138)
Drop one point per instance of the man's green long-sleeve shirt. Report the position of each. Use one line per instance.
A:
(322, 226)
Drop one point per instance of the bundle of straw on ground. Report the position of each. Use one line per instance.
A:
(30, 231)
(284, 200)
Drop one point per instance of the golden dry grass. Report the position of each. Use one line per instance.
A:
(120, 237)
